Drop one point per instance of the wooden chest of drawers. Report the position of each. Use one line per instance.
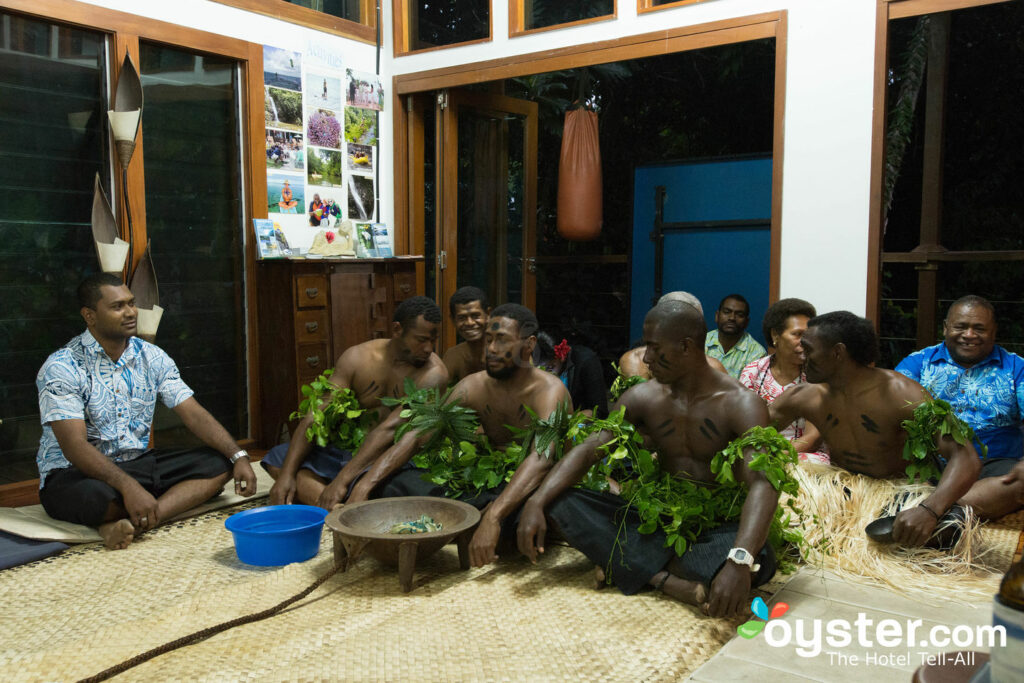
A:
(309, 312)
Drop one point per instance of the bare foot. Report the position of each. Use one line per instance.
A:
(690, 592)
(117, 535)
(599, 578)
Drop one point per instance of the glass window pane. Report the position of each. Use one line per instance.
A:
(543, 13)
(51, 155)
(490, 199)
(344, 9)
(194, 222)
(446, 22)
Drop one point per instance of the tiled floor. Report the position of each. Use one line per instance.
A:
(823, 596)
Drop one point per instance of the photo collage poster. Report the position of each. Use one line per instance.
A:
(364, 100)
(322, 151)
(285, 143)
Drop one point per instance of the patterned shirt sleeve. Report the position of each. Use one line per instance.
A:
(1018, 382)
(171, 388)
(911, 366)
(60, 395)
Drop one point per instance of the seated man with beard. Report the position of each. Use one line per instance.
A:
(859, 410)
(316, 475)
(498, 396)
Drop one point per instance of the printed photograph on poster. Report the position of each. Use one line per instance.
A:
(360, 198)
(360, 158)
(323, 128)
(364, 90)
(282, 68)
(285, 192)
(285, 150)
(323, 209)
(360, 126)
(283, 109)
(364, 241)
(323, 167)
(323, 91)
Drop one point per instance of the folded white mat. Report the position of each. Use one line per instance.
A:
(31, 521)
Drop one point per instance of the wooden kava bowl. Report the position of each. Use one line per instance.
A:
(363, 527)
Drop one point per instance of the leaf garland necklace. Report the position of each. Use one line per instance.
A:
(338, 419)
(683, 508)
(920, 450)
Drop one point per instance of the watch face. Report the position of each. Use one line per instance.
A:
(740, 555)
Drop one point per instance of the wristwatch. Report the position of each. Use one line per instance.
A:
(238, 456)
(742, 557)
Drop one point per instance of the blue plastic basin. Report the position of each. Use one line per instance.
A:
(277, 534)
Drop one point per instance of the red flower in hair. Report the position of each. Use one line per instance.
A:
(562, 351)
(330, 236)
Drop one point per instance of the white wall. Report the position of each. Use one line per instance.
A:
(827, 150)
(220, 19)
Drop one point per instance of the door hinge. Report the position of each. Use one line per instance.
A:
(442, 260)
(442, 99)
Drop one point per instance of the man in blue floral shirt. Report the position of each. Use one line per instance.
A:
(97, 395)
(985, 385)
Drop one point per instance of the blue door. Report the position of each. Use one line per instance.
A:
(716, 235)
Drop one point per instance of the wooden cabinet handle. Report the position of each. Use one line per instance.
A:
(313, 361)
(405, 287)
(312, 292)
(312, 327)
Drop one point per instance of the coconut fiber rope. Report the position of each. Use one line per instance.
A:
(205, 633)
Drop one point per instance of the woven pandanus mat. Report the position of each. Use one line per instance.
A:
(80, 613)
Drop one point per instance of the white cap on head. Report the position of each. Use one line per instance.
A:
(685, 297)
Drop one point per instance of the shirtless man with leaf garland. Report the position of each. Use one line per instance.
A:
(860, 409)
(690, 412)
(469, 309)
(498, 396)
(321, 475)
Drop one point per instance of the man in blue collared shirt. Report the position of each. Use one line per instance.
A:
(97, 395)
(985, 385)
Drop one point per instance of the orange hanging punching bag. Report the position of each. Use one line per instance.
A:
(580, 209)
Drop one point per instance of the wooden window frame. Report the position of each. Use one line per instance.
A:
(517, 20)
(408, 114)
(645, 6)
(364, 32)
(885, 11)
(123, 32)
(400, 30)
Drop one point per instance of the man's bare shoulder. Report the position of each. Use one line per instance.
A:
(902, 392)
(804, 394)
(640, 398)
(456, 354)
(361, 353)
(471, 388)
(433, 373)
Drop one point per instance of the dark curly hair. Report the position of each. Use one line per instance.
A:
(856, 333)
(467, 295)
(779, 312)
(527, 321)
(413, 307)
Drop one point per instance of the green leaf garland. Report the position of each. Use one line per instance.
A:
(934, 417)
(338, 419)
